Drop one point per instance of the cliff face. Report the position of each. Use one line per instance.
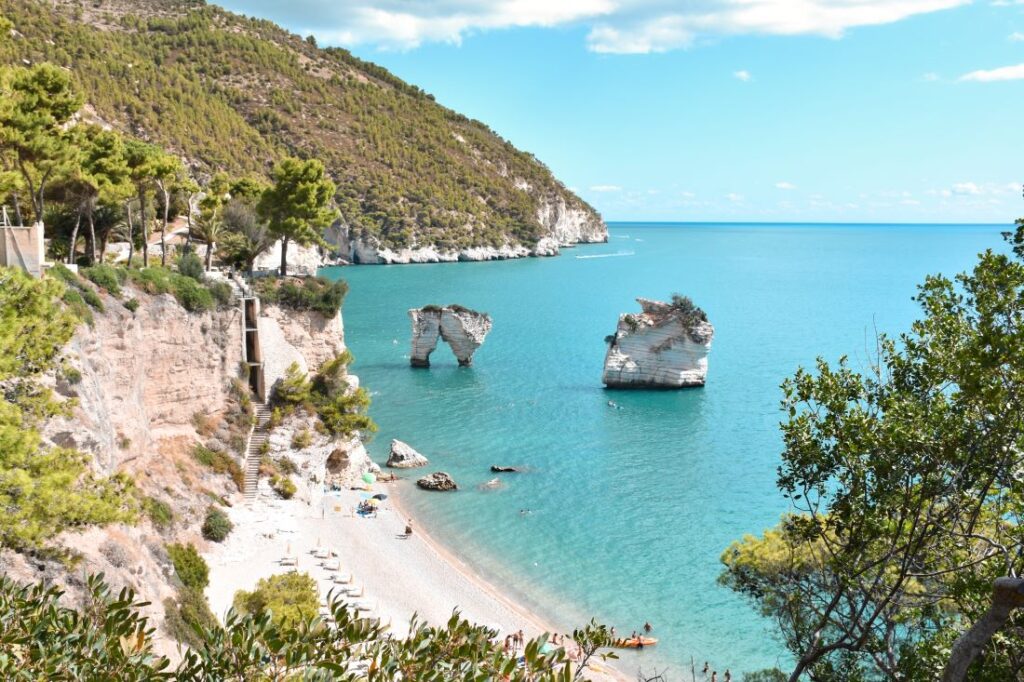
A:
(565, 222)
(658, 348)
(152, 385)
(462, 329)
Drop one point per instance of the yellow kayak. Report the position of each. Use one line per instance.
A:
(635, 642)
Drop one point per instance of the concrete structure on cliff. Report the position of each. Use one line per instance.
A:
(21, 246)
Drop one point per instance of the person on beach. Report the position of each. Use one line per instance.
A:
(508, 644)
(727, 677)
(408, 528)
(705, 670)
(522, 638)
(714, 676)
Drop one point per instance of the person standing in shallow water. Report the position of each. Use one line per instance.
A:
(714, 676)
(727, 677)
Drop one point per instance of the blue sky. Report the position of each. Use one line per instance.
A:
(776, 110)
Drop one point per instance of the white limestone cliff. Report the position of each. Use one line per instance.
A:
(565, 222)
(464, 330)
(664, 346)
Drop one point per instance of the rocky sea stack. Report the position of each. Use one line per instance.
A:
(664, 346)
(403, 456)
(464, 331)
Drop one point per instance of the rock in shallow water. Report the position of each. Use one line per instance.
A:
(464, 331)
(403, 456)
(437, 481)
(665, 346)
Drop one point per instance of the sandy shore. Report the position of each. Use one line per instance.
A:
(398, 576)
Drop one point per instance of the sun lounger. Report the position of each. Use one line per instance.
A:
(342, 579)
(332, 565)
(322, 553)
(289, 561)
(361, 606)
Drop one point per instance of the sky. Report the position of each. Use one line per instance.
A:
(723, 110)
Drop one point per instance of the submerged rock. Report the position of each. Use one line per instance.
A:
(403, 456)
(665, 346)
(464, 331)
(438, 480)
(498, 469)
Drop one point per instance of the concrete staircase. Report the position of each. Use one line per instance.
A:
(257, 437)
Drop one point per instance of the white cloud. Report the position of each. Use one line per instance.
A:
(1004, 73)
(734, 197)
(742, 75)
(615, 26)
(1016, 36)
(966, 188)
(784, 185)
(605, 188)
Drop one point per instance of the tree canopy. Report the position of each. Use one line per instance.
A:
(905, 482)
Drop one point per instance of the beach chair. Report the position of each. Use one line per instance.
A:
(332, 565)
(322, 553)
(340, 579)
(289, 561)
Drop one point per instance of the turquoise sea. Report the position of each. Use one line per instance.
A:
(631, 508)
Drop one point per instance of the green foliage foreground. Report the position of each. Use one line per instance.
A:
(905, 479)
(110, 640)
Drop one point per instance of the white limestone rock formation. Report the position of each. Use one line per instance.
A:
(665, 346)
(464, 331)
(403, 456)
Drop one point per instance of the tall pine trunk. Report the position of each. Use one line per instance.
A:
(209, 255)
(284, 256)
(74, 236)
(163, 234)
(92, 238)
(145, 231)
(131, 232)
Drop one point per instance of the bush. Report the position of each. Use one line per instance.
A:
(217, 525)
(74, 301)
(93, 299)
(158, 511)
(283, 486)
(220, 462)
(191, 265)
(192, 295)
(184, 614)
(294, 389)
(302, 439)
(287, 466)
(132, 304)
(310, 293)
(106, 277)
(289, 597)
(190, 566)
(221, 292)
(71, 374)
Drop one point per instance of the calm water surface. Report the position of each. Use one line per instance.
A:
(631, 508)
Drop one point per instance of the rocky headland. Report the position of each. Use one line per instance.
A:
(464, 331)
(666, 345)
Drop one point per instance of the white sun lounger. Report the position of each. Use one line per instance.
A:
(289, 561)
(322, 553)
(332, 565)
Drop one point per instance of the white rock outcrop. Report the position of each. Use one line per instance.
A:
(565, 222)
(464, 330)
(403, 456)
(665, 346)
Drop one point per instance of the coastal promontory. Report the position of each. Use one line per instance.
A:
(666, 345)
(464, 331)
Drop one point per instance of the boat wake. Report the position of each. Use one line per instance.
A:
(608, 255)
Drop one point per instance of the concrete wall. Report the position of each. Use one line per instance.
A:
(22, 247)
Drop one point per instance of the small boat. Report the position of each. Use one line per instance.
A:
(635, 642)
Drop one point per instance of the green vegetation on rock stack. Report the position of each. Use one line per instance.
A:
(238, 94)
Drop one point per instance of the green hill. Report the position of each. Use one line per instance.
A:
(226, 91)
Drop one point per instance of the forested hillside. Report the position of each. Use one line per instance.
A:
(233, 93)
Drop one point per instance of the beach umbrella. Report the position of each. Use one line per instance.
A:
(373, 502)
(369, 478)
(380, 496)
